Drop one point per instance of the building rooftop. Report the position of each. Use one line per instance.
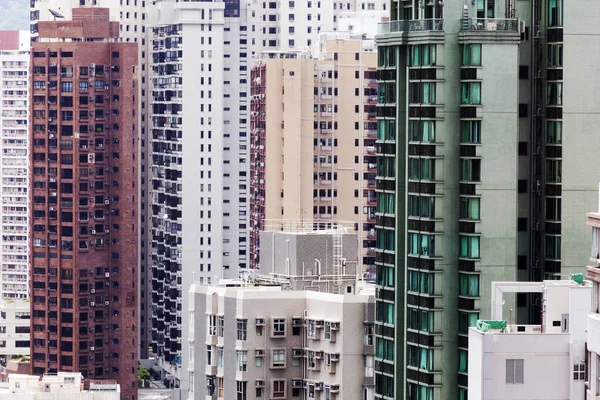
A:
(62, 382)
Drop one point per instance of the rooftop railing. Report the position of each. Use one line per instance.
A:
(490, 24)
(411, 26)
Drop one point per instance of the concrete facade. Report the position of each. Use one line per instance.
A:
(261, 342)
(84, 156)
(592, 370)
(328, 133)
(64, 385)
(511, 364)
(14, 172)
(471, 121)
(14, 328)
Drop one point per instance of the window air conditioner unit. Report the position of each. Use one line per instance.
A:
(260, 384)
(93, 291)
(297, 383)
(107, 274)
(92, 348)
(260, 321)
(259, 352)
(106, 303)
(92, 303)
(93, 231)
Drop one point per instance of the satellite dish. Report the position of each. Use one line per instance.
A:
(55, 13)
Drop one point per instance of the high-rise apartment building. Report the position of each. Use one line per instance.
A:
(313, 134)
(132, 17)
(302, 329)
(475, 183)
(293, 25)
(84, 197)
(14, 168)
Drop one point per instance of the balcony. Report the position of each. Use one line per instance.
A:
(490, 24)
(416, 25)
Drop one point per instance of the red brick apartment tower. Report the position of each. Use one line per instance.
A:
(257, 160)
(84, 260)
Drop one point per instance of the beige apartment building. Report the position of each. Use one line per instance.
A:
(312, 145)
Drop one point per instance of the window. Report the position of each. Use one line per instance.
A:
(553, 208)
(471, 55)
(553, 247)
(470, 170)
(241, 390)
(553, 171)
(471, 93)
(279, 327)
(423, 55)
(514, 371)
(242, 329)
(421, 244)
(384, 349)
(579, 372)
(420, 320)
(554, 132)
(384, 312)
(555, 12)
(466, 320)
(278, 359)
(469, 208)
(386, 56)
(421, 168)
(555, 55)
(212, 325)
(278, 389)
(554, 93)
(327, 330)
(470, 131)
(422, 92)
(469, 246)
(242, 360)
(469, 285)
(463, 361)
(421, 131)
(420, 357)
(221, 325)
(421, 282)
(418, 392)
(421, 206)
(66, 86)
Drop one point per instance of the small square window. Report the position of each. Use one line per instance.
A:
(278, 327)
(278, 358)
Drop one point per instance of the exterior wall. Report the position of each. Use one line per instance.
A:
(189, 188)
(65, 385)
(255, 305)
(580, 114)
(303, 21)
(554, 352)
(132, 17)
(337, 106)
(14, 330)
(532, 233)
(84, 272)
(14, 173)
(546, 358)
(306, 259)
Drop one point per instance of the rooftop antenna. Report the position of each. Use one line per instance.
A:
(56, 14)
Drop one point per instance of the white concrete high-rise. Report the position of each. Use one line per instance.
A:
(14, 173)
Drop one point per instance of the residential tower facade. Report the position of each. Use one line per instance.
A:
(84, 199)
(475, 183)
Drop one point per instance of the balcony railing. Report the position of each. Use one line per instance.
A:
(411, 26)
(490, 24)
